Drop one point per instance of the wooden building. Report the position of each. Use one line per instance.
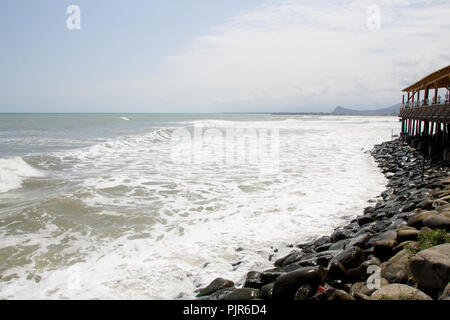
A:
(425, 114)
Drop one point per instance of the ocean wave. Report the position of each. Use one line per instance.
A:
(13, 172)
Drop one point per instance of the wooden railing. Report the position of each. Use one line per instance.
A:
(434, 112)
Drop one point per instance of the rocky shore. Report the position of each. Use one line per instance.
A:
(397, 249)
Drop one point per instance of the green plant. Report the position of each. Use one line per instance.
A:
(431, 238)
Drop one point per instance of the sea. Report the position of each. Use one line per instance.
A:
(155, 206)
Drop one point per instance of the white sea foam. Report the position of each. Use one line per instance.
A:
(13, 172)
(174, 227)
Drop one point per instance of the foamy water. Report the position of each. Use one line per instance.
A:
(113, 215)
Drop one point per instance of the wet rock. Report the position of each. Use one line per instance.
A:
(253, 280)
(304, 292)
(339, 245)
(270, 275)
(349, 258)
(431, 267)
(331, 294)
(359, 241)
(363, 220)
(387, 235)
(398, 291)
(341, 234)
(218, 294)
(286, 285)
(396, 269)
(266, 291)
(242, 294)
(215, 285)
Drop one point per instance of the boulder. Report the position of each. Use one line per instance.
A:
(398, 291)
(348, 259)
(431, 267)
(287, 285)
(361, 288)
(215, 285)
(387, 235)
(446, 293)
(396, 269)
(266, 291)
(384, 249)
(363, 220)
(304, 292)
(438, 221)
(253, 280)
(242, 294)
(331, 294)
(408, 233)
(417, 220)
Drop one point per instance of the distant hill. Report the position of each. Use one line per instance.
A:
(392, 110)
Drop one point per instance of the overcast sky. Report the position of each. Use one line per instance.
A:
(217, 55)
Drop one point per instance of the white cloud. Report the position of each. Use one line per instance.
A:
(305, 55)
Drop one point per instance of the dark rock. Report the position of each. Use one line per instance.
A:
(384, 249)
(304, 292)
(359, 241)
(253, 280)
(341, 234)
(446, 293)
(407, 234)
(323, 247)
(215, 285)
(269, 276)
(218, 294)
(349, 258)
(242, 294)
(331, 294)
(387, 235)
(431, 267)
(286, 285)
(363, 220)
(266, 291)
(339, 245)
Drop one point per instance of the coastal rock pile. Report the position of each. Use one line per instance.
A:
(399, 248)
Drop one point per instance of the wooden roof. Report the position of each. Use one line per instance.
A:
(437, 79)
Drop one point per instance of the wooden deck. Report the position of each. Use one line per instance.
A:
(433, 113)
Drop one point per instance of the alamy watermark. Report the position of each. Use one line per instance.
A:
(256, 147)
(373, 21)
(73, 22)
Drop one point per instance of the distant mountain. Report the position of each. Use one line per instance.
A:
(392, 110)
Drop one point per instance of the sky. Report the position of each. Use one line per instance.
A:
(217, 55)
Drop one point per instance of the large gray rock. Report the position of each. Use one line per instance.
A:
(398, 291)
(438, 221)
(417, 220)
(431, 267)
(287, 285)
(396, 269)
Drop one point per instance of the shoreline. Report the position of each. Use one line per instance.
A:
(382, 254)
